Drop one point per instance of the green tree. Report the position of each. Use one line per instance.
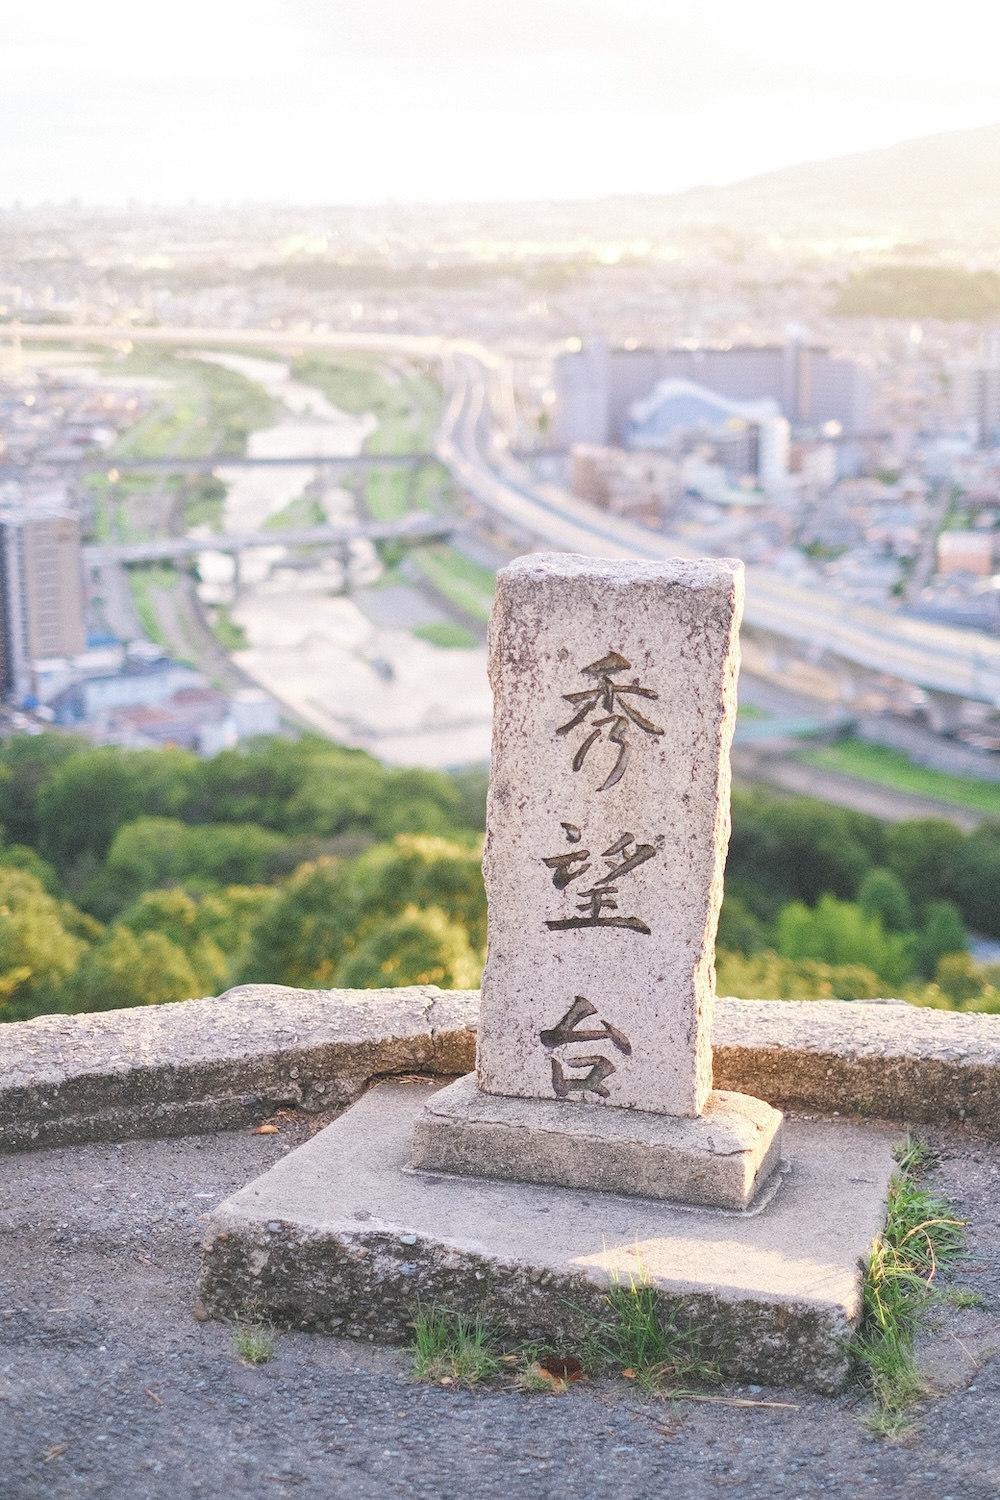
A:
(976, 879)
(799, 848)
(27, 764)
(838, 932)
(882, 894)
(127, 970)
(943, 932)
(922, 852)
(768, 976)
(38, 949)
(422, 870)
(151, 852)
(739, 929)
(214, 930)
(258, 784)
(327, 909)
(960, 978)
(88, 798)
(300, 939)
(22, 857)
(417, 947)
(176, 916)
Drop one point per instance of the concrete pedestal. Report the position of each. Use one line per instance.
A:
(719, 1159)
(342, 1235)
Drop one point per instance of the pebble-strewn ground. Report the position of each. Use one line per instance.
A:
(110, 1388)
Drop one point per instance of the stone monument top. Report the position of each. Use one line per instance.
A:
(607, 828)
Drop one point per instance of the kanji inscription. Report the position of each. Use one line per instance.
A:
(625, 855)
(614, 690)
(598, 1068)
(609, 700)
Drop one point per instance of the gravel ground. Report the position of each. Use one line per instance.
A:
(110, 1387)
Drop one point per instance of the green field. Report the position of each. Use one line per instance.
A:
(466, 584)
(890, 768)
(446, 634)
(406, 402)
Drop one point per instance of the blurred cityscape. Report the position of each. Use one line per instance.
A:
(243, 484)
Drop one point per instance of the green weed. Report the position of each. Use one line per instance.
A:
(253, 1342)
(450, 1349)
(534, 1381)
(662, 1355)
(961, 1296)
(920, 1236)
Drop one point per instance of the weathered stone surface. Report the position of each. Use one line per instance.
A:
(607, 826)
(882, 1059)
(222, 1062)
(719, 1158)
(340, 1236)
(228, 1061)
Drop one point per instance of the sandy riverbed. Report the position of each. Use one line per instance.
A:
(374, 686)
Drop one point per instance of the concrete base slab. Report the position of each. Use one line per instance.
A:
(719, 1159)
(341, 1236)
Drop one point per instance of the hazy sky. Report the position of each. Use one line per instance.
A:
(329, 101)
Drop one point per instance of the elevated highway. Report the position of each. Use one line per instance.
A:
(937, 658)
(474, 444)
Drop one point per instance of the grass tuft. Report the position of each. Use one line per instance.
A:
(451, 1350)
(534, 1381)
(253, 1342)
(961, 1296)
(920, 1236)
(663, 1356)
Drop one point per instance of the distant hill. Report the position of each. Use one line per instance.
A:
(917, 184)
(937, 186)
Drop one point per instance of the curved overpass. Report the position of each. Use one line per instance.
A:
(472, 442)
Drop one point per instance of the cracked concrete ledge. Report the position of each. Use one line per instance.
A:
(221, 1062)
(229, 1061)
(878, 1059)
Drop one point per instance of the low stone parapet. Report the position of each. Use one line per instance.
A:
(222, 1062)
(230, 1061)
(878, 1059)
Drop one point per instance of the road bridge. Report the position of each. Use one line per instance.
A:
(103, 462)
(416, 529)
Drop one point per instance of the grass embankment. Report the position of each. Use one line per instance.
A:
(462, 582)
(891, 768)
(406, 402)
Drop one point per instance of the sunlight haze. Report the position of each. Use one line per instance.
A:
(448, 101)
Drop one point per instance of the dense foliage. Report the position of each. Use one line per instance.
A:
(821, 901)
(134, 877)
(908, 291)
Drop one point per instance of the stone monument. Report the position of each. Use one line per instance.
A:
(608, 822)
(589, 1145)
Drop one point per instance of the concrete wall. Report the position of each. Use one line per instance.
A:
(230, 1061)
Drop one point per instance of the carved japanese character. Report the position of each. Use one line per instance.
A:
(592, 1082)
(568, 1029)
(611, 700)
(600, 897)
